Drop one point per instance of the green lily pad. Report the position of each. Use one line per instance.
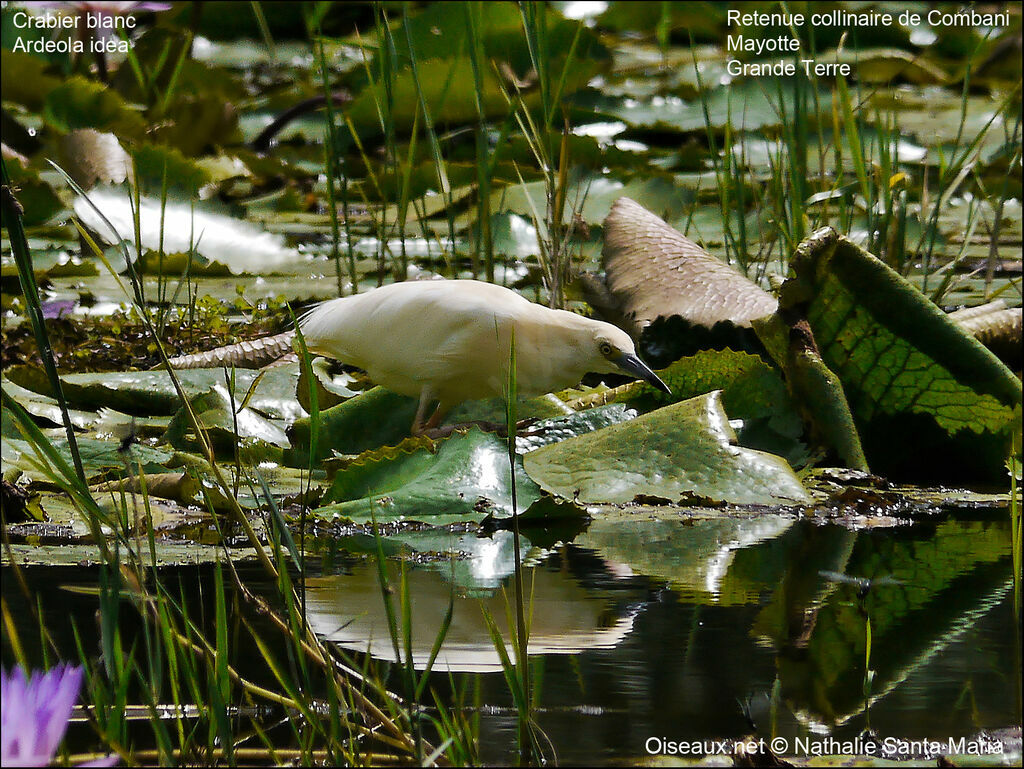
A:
(38, 200)
(447, 98)
(227, 426)
(195, 123)
(747, 106)
(100, 459)
(466, 480)
(883, 65)
(697, 19)
(444, 67)
(373, 418)
(752, 390)
(81, 103)
(25, 80)
(439, 37)
(553, 430)
(150, 393)
(180, 226)
(154, 162)
(929, 400)
(379, 417)
(686, 449)
(439, 32)
(44, 408)
(598, 195)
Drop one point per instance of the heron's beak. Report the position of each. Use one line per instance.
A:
(633, 365)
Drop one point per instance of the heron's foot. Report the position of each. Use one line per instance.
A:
(437, 433)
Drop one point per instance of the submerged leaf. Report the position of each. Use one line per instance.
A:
(555, 429)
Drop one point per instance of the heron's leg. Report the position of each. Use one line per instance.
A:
(419, 427)
(437, 416)
(426, 398)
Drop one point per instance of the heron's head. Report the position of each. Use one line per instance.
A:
(615, 348)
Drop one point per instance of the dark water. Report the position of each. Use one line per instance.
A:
(675, 630)
(682, 630)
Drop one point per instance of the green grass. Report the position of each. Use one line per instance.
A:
(175, 659)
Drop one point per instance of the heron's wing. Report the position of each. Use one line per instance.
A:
(407, 335)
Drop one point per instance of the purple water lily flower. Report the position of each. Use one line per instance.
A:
(98, 9)
(102, 6)
(58, 308)
(34, 715)
(97, 20)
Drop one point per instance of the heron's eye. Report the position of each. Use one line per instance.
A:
(606, 349)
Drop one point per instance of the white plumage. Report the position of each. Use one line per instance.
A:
(448, 341)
